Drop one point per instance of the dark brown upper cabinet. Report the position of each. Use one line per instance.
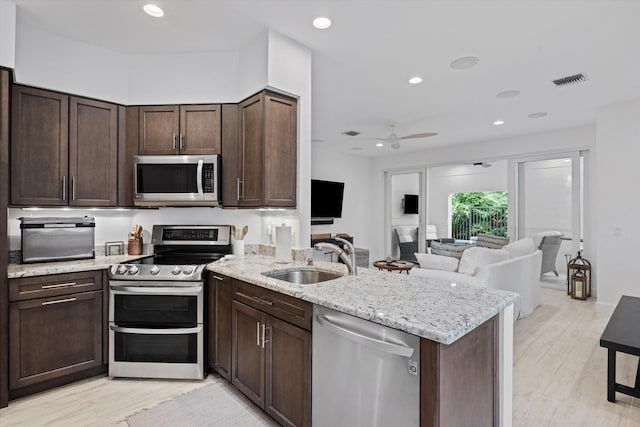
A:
(179, 129)
(264, 171)
(63, 150)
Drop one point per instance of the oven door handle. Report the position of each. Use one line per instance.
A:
(155, 290)
(144, 331)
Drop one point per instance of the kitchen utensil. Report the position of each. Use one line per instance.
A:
(233, 231)
(245, 230)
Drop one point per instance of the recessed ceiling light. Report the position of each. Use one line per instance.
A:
(537, 115)
(464, 63)
(415, 80)
(379, 144)
(153, 10)
(322, 23)
(498, 122)
(508, 94)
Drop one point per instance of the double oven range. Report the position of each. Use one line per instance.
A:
(156, 304)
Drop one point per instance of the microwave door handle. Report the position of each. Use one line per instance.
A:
(199, 178)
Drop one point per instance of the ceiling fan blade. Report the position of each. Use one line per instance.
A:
(419, 135)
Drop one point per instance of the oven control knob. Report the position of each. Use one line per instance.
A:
(154, 270)
(176, 270)
(122, 269)
(187, 270)
(133, 270)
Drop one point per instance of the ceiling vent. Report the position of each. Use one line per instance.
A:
(351, 133)
(569, 80)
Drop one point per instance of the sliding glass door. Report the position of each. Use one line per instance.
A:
(550, 201)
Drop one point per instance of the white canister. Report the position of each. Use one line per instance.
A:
(238, 248)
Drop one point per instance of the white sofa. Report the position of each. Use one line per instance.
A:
(520, 273)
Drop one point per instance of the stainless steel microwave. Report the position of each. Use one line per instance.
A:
(176, 180)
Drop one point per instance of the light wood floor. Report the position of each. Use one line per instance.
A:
(559, 380)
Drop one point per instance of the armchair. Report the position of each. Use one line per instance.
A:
(407, 242)
(549, 246)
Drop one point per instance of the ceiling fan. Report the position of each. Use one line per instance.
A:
(394, 139)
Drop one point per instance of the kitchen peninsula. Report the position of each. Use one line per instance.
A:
(465, 333)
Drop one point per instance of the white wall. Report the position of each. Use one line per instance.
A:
(616, 201)
(184, 78)
(400, 185)
(358, 207)
(443, 181)
(47, 60)
(7, 34)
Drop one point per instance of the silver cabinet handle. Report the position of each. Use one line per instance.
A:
(344, 330)
(59, 301)
(258, 334)
(174, 141)
(181, 146)
(64, 187)
(238, 189)
(59, 285)
(143, 331)
(256, 299)
(264, 332)
(73, 188)
(218, 278)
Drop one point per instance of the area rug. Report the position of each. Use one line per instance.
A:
(216, 404)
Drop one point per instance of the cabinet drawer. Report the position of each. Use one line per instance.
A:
(289, 309)
(53, 285)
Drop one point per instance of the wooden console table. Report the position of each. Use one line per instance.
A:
(622, 334)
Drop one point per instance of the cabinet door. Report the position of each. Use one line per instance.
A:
(288, 373)
(199, 129)
(248, 352)
(280, 151)
(52, 337)
(251, 151)
(93, 152)
(220, 324)
(159, 129)
(39, 147)
(230, 150)
(4, 241)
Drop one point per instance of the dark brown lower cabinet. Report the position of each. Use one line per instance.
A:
(219, 350)
(55, 339)
(271, 362)
(459, 382)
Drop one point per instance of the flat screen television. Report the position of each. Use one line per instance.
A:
(410, 204)
(326, 199)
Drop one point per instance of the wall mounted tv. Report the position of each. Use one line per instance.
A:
(410, 204)
(326, 199)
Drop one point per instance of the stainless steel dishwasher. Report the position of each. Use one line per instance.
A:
(364, 374)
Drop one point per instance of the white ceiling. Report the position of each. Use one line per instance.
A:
(361, 65)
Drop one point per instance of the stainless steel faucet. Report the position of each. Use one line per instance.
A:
(349, 257)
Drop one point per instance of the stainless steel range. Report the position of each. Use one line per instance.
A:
(156, 320)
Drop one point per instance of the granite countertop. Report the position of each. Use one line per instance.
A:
(434, 309)
(15, 271)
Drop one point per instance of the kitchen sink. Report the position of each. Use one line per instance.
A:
(302, 276)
